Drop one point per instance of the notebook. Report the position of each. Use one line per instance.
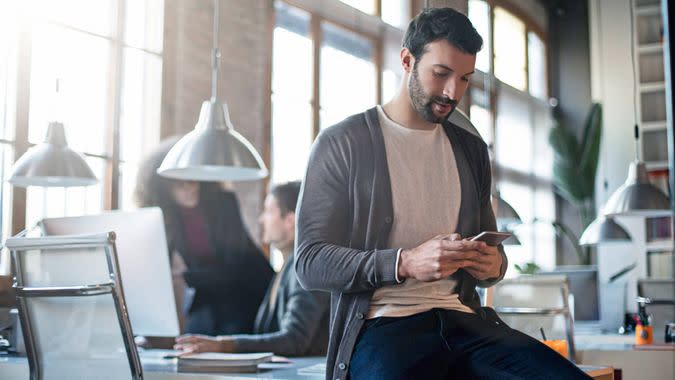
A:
(213, 362)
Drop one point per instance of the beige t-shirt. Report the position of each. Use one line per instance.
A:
(426, 195)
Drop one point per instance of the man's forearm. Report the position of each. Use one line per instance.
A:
(328, 267)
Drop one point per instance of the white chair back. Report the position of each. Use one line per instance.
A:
(532, 303)
(72, 309)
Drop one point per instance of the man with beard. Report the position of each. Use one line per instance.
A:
(387, 198)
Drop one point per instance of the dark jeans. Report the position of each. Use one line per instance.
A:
(445, 344)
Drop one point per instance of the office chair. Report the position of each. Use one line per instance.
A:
(528, 303)
(72, 308)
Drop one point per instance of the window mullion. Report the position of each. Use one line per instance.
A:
(112, 172)
(22, 118)
(379, 51)
(315, 31)
(527, 59)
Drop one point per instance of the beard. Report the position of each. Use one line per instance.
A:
(423, 102)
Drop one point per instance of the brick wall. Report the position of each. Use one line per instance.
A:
(243, 76)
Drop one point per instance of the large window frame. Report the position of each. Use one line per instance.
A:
(111, 189)
(487, 91)
(317, 19)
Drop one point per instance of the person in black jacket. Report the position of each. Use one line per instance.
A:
(291, 321)
(227, 274)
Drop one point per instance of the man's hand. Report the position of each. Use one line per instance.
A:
(190, 344)
(486, 265)
(439, 258)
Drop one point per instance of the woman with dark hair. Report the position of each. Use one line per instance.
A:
(226, 272)
(291, 321)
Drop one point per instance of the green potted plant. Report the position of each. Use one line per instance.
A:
(575, 166)
(574, 170)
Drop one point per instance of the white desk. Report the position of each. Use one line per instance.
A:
(157, 368)
(618, 351)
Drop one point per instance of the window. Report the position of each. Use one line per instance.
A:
(481, 117)
(97, 68)
(479, 14)
(322, 72)
(365, 6)
(396, 12)
(8, 53)
(509, 110)
(348, 74)
(292, 73)
(510, 50)
(523, 165)
(393, 12)
(536, 53)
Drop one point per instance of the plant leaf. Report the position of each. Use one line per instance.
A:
(590, 148)
(565, 163)
(575, 163)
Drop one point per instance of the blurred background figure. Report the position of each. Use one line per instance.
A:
(291, 321)
(226, 273)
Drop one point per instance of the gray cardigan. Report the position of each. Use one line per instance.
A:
(297, 325)
(345, 215)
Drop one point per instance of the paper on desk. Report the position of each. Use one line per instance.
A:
(280, 359)
(233, 359)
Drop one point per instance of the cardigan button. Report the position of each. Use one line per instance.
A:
(342, 366)
(359, 315)
(387, 219)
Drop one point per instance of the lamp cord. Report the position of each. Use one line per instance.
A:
(632, 61)
(602, 91)
(215, 53)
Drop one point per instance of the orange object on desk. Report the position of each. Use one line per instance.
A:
(644, 335)
(558, 345)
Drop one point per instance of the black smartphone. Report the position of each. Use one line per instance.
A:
(491, 238)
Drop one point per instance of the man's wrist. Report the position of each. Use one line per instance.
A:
(226, 343)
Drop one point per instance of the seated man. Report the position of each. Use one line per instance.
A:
(388, 197)
(291, 321)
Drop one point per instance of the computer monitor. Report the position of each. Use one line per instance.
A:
(583, 283)
(144, 263)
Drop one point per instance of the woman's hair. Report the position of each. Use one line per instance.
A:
(151, 188)
(286, 195)
(155, 190)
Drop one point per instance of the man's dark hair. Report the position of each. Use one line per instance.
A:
(286, 195)
(433, 24)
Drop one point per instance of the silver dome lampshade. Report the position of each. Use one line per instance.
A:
(506, 217)
(603, 230)
(505, 214)
(512, 240)
(637, 196)
(213, 151)
(52, 164)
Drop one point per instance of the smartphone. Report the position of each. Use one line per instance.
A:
(492, 238)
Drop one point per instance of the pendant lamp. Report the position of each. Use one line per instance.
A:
(637, 196)
(213, 151)
(602, 230)
(52, 164)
